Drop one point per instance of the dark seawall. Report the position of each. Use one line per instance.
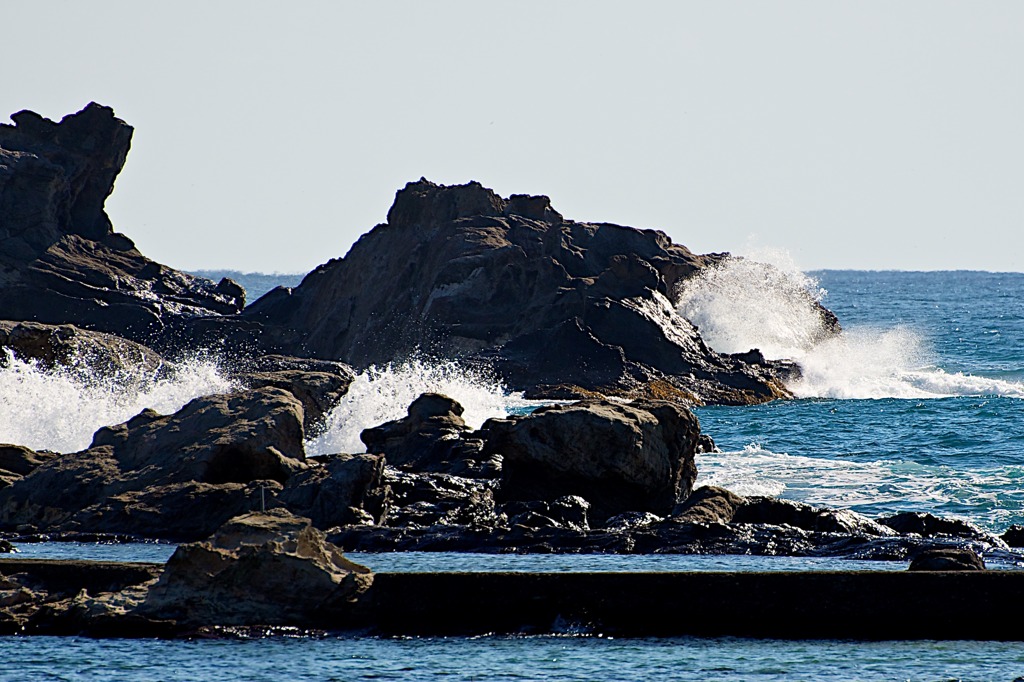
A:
(792, 605)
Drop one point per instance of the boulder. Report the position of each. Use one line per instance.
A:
(270, 568)
(618, 457)
(947, 559)
(67, 346)
(61, 260)
(431, 437)
(711, 504)
(555, 306)
(222, 441)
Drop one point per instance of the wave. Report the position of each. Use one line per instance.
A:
(60, 409)
(990, 497)
(381, 394)
(745, 303)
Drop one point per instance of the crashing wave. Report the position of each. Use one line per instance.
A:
(59, 409)
(743, 303)
(381, 394)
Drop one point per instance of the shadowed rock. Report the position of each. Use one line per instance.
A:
(212, 445)
(259, 569)
(947, 559)
(60, 260)
(556, 307)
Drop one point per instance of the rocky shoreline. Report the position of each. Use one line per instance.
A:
(578, 314)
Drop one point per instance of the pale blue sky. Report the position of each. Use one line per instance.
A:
(270, 135)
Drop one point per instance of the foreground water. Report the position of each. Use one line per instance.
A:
(559, 657)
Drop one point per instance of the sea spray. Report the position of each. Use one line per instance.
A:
(741, 304)
(744, 303)
(59, 409)
(381, 394)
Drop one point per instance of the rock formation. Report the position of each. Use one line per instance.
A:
(177, 476)
(556, 307)
(60, 260)
(258, 569)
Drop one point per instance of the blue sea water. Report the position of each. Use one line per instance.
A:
(917, 405)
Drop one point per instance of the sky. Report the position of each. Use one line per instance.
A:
(270, 135)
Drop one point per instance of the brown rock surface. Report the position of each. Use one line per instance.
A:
(259, 569)
(618, 457)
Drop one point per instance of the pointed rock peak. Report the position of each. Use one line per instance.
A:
(425, 203)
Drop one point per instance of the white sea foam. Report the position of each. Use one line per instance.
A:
(60, 409)
(746, 303)
(874, 488)
(382, 394)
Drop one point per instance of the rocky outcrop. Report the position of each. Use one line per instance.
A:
(69, 347)
(218, 448)
(60, 260)
(259, 569)
(318, 384)
(637, 457)
(556, 307)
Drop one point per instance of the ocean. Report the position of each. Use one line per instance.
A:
(917, 405)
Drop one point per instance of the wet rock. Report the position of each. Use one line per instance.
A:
(556, 307)
(770, 510)
(318, 384)
(1014, 536)
(568, 512)
(618, 457)
(218, 440)
(269, 568)
(929, 526)
(947, 559)
(339, 490)
(94, 353)
(709, 504)
(62, 262)
(430, 499)
(431, 437)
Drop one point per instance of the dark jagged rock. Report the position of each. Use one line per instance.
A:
(947, 559)
(556, 307)
(1014, 536)
(60, 260)
(930, 526)
(153, 467)
(431, 437)
(618, 457)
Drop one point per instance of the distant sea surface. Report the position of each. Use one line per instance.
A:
(917, 405)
